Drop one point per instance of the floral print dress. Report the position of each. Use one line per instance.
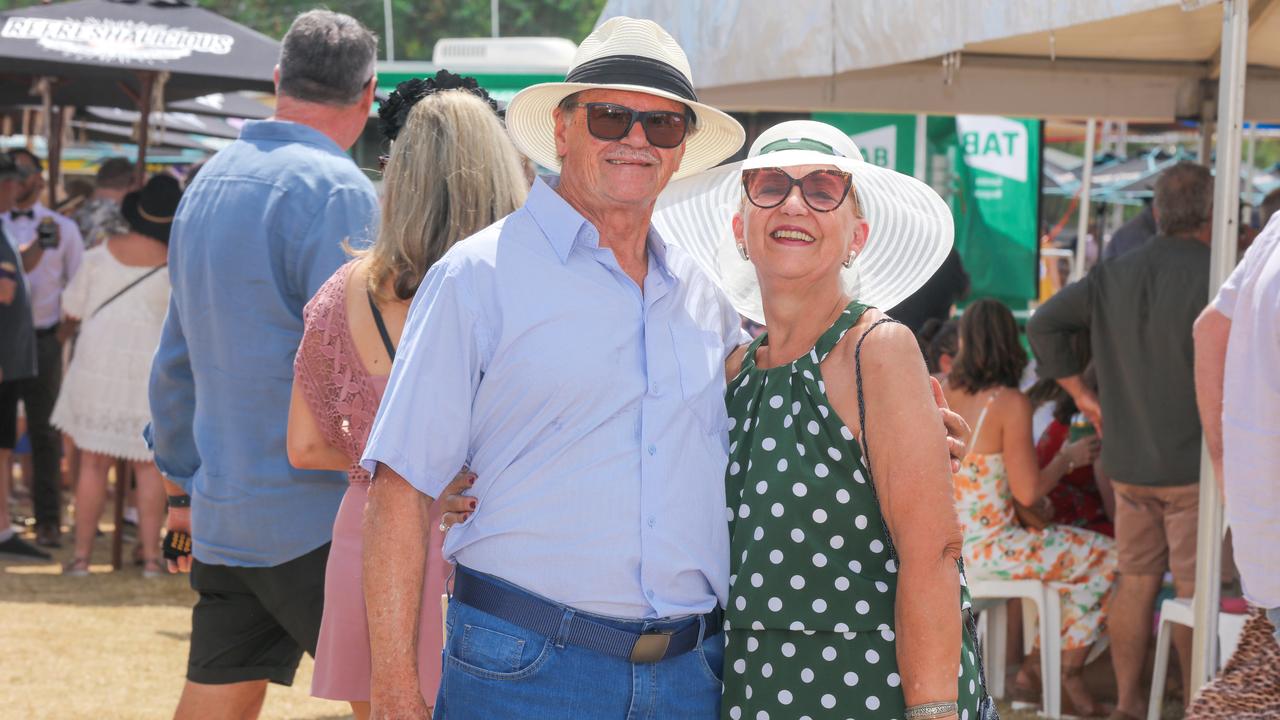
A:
(998, 547)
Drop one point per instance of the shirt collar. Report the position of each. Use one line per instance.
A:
(565, 227)
(285, 131)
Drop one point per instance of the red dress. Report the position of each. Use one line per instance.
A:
(343, 397)
(1076, 500)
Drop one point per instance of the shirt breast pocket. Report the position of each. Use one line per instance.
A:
(700, 360)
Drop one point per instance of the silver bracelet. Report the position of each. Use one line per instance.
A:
(931, 710)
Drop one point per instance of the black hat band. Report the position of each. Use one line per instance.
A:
(633, 70)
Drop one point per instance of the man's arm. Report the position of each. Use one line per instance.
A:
(1052, 332)
(1210, 332)
(172, 392)
(31, 255)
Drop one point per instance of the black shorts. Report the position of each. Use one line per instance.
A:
(10, 392)
(253, 623)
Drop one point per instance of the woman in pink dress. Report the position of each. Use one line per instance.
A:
(451, 172)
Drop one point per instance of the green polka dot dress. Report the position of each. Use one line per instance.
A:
(813, 579)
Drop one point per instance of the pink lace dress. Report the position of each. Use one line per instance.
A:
(344, 398)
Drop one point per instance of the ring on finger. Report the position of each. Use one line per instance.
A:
(443, 526)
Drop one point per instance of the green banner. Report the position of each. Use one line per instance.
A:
(987, 168)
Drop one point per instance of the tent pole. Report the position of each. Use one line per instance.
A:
(1226, 219)
(1250, 160)
(922, 147)
(1086, 188)
(144, 107)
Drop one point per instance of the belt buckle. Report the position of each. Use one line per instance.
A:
(651, 647)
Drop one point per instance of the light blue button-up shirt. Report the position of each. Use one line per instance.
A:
(255, 236)
(592, 413)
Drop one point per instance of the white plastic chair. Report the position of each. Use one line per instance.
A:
(1178, 611)
(989, 598)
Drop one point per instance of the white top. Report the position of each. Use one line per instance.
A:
(56, 266)
(1251, 414)
(103, 404)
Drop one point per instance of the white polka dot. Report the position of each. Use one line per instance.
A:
(834, 453)
(812, 427)
(972, 688)
(860, 522)
(842, 628)
(842, 496)
(782, 465)
(784, 697)
(873, 702)
(796, 626)
(845, 433)
(821, 470)
(837, 542)
(808, 375)
(775, 402)
(819, 516)
(733, 421)
(734, 467)
(762, 487)
(757, 580)
(775, 557)
(806, 675)
(828, 701)
(728, 513)
(746, 425)
(894, 680)
(747, 691)
(758, 534)
(741, 602)
(851, 678)
(800, 449)
(795, 408)
(744, 510)
(739, 666)
(863, 607)
(872, 657)
(788, 650)
(735, 713)
(733, 446)
(819, 605)
(819, 560)
(768, 443)
(876, 546)
(822, 386)
(829, 654)
(882, 586)
(855, 566)
(776, 509)
(891, 566)
(762, 715)
(775, 604)
(822, 410)
(766, 670)
(964, 714)
(797, 582)
(842, 583)
(800, 490)
(786, 421)
(857, 476)
(752, 644)
(887, 635)
(797, 535)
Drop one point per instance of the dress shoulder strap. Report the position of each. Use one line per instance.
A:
(982, 418)
(382, 327)
(844, 322)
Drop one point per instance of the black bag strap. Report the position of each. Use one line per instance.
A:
(382, 327)
(127, 288)
(988, 710)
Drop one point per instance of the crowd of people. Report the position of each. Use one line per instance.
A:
(515, 394)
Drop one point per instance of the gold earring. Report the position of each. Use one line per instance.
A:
(849, 261)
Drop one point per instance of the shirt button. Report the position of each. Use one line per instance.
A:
(648, 594)
(653, 389)
(652, 522)
(653, 449)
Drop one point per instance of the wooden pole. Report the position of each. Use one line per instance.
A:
(144, 107)
(53, 144)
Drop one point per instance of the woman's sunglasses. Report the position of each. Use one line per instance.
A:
(822, 190)
(663, 128)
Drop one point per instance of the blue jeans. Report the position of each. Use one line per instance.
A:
(495, 669)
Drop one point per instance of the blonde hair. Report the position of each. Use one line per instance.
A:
(452, 172)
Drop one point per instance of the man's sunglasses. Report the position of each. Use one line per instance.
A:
(663, 128)
(822, 190)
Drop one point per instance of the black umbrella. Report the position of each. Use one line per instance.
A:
(118, 53)
(112, 132)
(236, 105)
(184, 122)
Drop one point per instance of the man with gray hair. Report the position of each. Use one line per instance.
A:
(252, 242)
(1139, 310)
(100, 217)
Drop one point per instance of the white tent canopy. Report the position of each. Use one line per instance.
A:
(1137, 59)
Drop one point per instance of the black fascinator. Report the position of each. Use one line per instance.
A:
(394, 112)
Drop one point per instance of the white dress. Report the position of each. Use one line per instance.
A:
(103, 404)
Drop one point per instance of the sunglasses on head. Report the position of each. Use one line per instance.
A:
(663, 128)
(822, 190)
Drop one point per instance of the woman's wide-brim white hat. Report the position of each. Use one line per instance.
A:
(624, 54)
(910, 227)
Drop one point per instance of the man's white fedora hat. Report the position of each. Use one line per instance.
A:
(625, 54)
(910, 228)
